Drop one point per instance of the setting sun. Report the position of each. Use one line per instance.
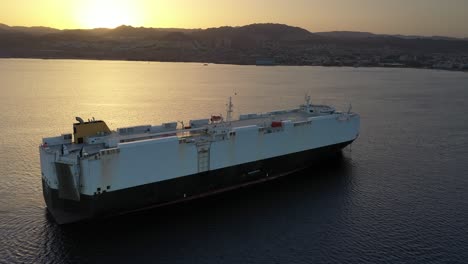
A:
(108, 14)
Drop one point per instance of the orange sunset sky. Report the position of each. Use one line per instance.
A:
(410, 17)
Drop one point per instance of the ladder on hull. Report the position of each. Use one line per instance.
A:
(203, 149)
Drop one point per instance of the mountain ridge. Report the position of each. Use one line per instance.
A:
(41, 30)
(286, 45)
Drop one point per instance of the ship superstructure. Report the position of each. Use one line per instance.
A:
(97, 172)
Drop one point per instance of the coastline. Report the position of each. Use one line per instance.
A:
(207, 62)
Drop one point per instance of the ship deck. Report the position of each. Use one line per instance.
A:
(259, 119)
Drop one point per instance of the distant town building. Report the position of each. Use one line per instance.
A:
(446, 65)
(265, 62)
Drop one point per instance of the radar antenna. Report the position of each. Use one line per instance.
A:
(307, 99)
(229, 110)
(307, 102)
(349, 108)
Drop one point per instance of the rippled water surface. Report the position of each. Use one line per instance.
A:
(399, 195)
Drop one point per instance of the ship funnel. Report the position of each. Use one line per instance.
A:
(79, 119)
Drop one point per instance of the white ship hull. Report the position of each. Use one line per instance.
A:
(156, 171)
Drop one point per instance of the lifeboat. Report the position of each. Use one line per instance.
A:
(276, 124)
(216, 118)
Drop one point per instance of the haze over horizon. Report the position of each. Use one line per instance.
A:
(418, 17)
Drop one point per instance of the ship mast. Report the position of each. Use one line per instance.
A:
(229, 110)
(307, 101)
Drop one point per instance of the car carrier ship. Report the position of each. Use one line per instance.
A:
(96, 172)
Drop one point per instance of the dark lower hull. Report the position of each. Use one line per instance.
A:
(182, 188)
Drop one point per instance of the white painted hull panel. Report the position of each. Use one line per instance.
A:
(140, 163)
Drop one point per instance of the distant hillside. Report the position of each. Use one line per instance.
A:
(29, 30)
(362, 35)
(347, 34)
(287, 45)
(277, 32)
(271, 31)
